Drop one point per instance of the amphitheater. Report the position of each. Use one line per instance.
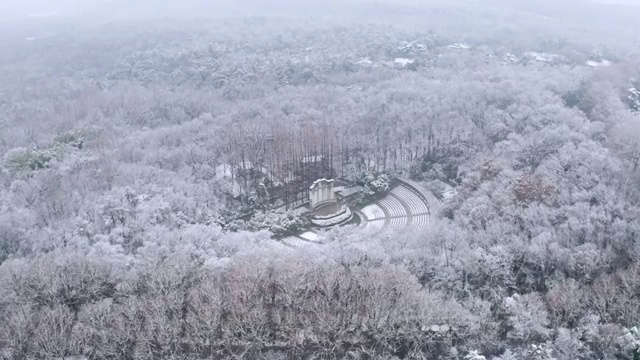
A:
(406, 209)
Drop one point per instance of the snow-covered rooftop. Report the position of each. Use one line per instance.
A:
(365, 61)
(461, 46)
(545, 57)
(313, 159)
(600, 63)
(403, 61)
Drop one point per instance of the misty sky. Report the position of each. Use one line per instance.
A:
(10, 8)
(26, 7)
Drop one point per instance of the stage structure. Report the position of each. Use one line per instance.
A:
(321, 193)
(324, 205)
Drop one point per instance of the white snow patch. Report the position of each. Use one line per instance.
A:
(449, 194)
(511, 59)
(311, 236)
(404, 61)
(594, 64)
(408, 47)
(373, 212)
(459, 46)
(545, 57)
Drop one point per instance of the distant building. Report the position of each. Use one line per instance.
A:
(459, 46)
(365, 62)
(545, 57)
(403, 62)
(313, 159)
(601, 63)
(511, 59)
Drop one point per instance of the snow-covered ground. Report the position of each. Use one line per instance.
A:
(593, 63)
(311, 236)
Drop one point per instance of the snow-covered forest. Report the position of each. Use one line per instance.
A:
(149, 166)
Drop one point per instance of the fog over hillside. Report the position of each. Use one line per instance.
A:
(145, 8)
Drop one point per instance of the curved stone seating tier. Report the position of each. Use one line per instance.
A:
(404, 210)
(433, 202)
(420, 223)
(415, 203)
(394, 207)
(397, 223)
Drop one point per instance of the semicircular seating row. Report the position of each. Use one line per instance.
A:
(403, 209)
